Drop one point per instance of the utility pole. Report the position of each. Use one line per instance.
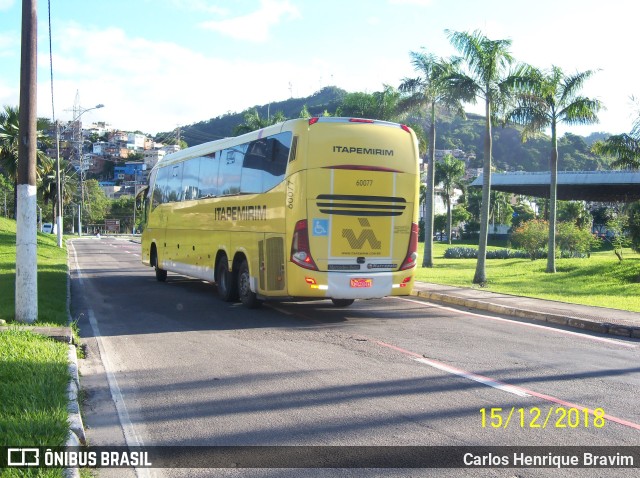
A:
(77, 140)
(59, 188)
(26, 247)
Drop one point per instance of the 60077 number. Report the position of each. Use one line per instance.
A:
(364, 182)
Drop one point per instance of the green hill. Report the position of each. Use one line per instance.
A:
(328, 98)
(509, 153)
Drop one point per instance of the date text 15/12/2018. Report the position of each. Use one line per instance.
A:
(534, 417)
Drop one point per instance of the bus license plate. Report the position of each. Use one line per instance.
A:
(361, 283)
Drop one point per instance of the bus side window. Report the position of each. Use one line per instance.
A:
(190, 182)
(254, 160)
(208, 180)
(175, 182)
(230, 169)
(160, 187)
(276, 167)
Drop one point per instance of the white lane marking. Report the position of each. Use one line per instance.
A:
(472, 376)
(130, 436)
(548, 327)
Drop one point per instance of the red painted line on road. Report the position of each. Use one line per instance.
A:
(514, 388)
(457, 371)
(566, 404)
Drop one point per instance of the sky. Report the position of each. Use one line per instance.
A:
(158, 64)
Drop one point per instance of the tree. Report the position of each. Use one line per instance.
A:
(122, 209)
(253, 121)
(500, 209)
(487, 63)
(304, 112)
(575, 212)
(531, 236)
(633, 213)
(616, 227)
(449, 173)
(381, 105)
(459, 214)
(9, 134)
(522, 212)
(575, 240)
(545, 99)
(624, 148)
(429, 90)
(424, 193)
(97, 204)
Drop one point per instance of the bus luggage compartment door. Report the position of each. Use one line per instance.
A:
(271, 258)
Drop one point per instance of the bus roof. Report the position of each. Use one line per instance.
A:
(220, 144)
(217, 145)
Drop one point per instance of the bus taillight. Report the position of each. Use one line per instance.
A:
(300, 252)
(412, 251)
(313, 120)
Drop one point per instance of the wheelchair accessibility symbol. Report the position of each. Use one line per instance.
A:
(320, 227)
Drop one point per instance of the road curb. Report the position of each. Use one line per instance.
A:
(76, 436)
(575, 322)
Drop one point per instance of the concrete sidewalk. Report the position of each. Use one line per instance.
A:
(597, 319)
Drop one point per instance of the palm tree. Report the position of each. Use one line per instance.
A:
(500, 211)
(487, 77)
(429, 90)
(380, 105)
(624, 148)
(68, 186)
(9, 135)
(546, 99)
(449, 173)
(253, 121)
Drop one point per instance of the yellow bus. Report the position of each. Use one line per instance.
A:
(319, 208)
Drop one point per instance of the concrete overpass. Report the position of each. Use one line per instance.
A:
(597, 186)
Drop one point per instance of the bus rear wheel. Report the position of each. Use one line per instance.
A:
(224, 278)
(161, 274)
(342, 302)
(247, 296)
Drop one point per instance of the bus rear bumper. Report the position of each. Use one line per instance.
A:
(342, 285)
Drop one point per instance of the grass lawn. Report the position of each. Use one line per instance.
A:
(33, 369)
(600, 280)
(52, 276)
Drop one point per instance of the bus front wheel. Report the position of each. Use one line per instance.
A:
(247, 296)
(224, 278)
(342, 302)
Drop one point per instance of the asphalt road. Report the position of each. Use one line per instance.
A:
(171, 364)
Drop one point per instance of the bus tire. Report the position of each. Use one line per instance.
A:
(248, 298)
(227, 289)
(161, 274)
(342, 302)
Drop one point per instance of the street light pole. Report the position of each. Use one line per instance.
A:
(59, 199)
